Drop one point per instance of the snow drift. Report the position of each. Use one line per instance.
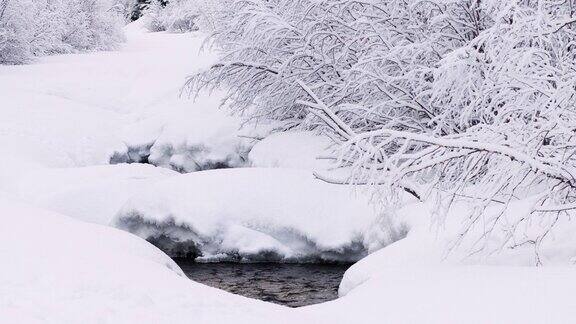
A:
(59, 270)
(298, 150)
(256, 215)
(185, 136)
(84, 273)
(92, 194)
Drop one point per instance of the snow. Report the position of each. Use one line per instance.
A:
(172, 130)
(250, 212)
(78, 110)
(481, 294)
(427, 244)
(93, 274)
(93, 194)
(65, 116)
(184, 136)
(298, 150)
(73, 272)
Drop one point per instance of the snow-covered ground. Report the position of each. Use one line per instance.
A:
(298, 150)
(65, 117)
(78, 110)
(60, 270)
(93, 194)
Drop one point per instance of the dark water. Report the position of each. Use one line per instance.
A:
(292, 285)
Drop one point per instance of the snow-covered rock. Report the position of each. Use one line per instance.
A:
(299, 150)
(256, 214)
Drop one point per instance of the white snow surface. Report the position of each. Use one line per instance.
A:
(458, 294)
(59, 270)
(74, 272)
(296, 149)
(170, 128)
(251, 212)
(428, 244)
(77, 110)
(92, 194)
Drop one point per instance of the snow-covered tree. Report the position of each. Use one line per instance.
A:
(39, 27)
(464, 99)
(180, 16)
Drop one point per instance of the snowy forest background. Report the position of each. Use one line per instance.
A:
(409, 132)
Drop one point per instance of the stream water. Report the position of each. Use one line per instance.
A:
(292, 285)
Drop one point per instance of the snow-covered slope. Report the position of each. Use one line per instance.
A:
(78, 110)
(431, 245)
(299, 150)
(256, 214)
(58, 270)
(93, 194)
(458, 295)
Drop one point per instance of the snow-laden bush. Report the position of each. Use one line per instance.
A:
(462, 99)
(15, 32)
(178, 16)
(40, 27)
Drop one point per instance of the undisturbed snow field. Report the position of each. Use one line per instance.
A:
(64, 117)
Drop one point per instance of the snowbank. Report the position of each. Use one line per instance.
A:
(254, 215)
(93, 194)
(185, 135)
(466, 294)
(78, 110)
(74, 272)
(413, 280)
(170, 129)
(58, 270)
(299, 150)
(430, 243)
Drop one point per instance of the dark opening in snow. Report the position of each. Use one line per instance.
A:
(288, 284)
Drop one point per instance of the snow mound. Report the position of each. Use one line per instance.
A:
(185, 136)
(430, 243)
(92, 194)
(461, 294)
(36, 123)
(75, 272)
(256, 215)
(299, 150)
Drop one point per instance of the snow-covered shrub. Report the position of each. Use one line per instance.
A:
(379, 55)
(41, 27)
(126, 9)
(463, 99)
(178, 16)
(15, 31)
